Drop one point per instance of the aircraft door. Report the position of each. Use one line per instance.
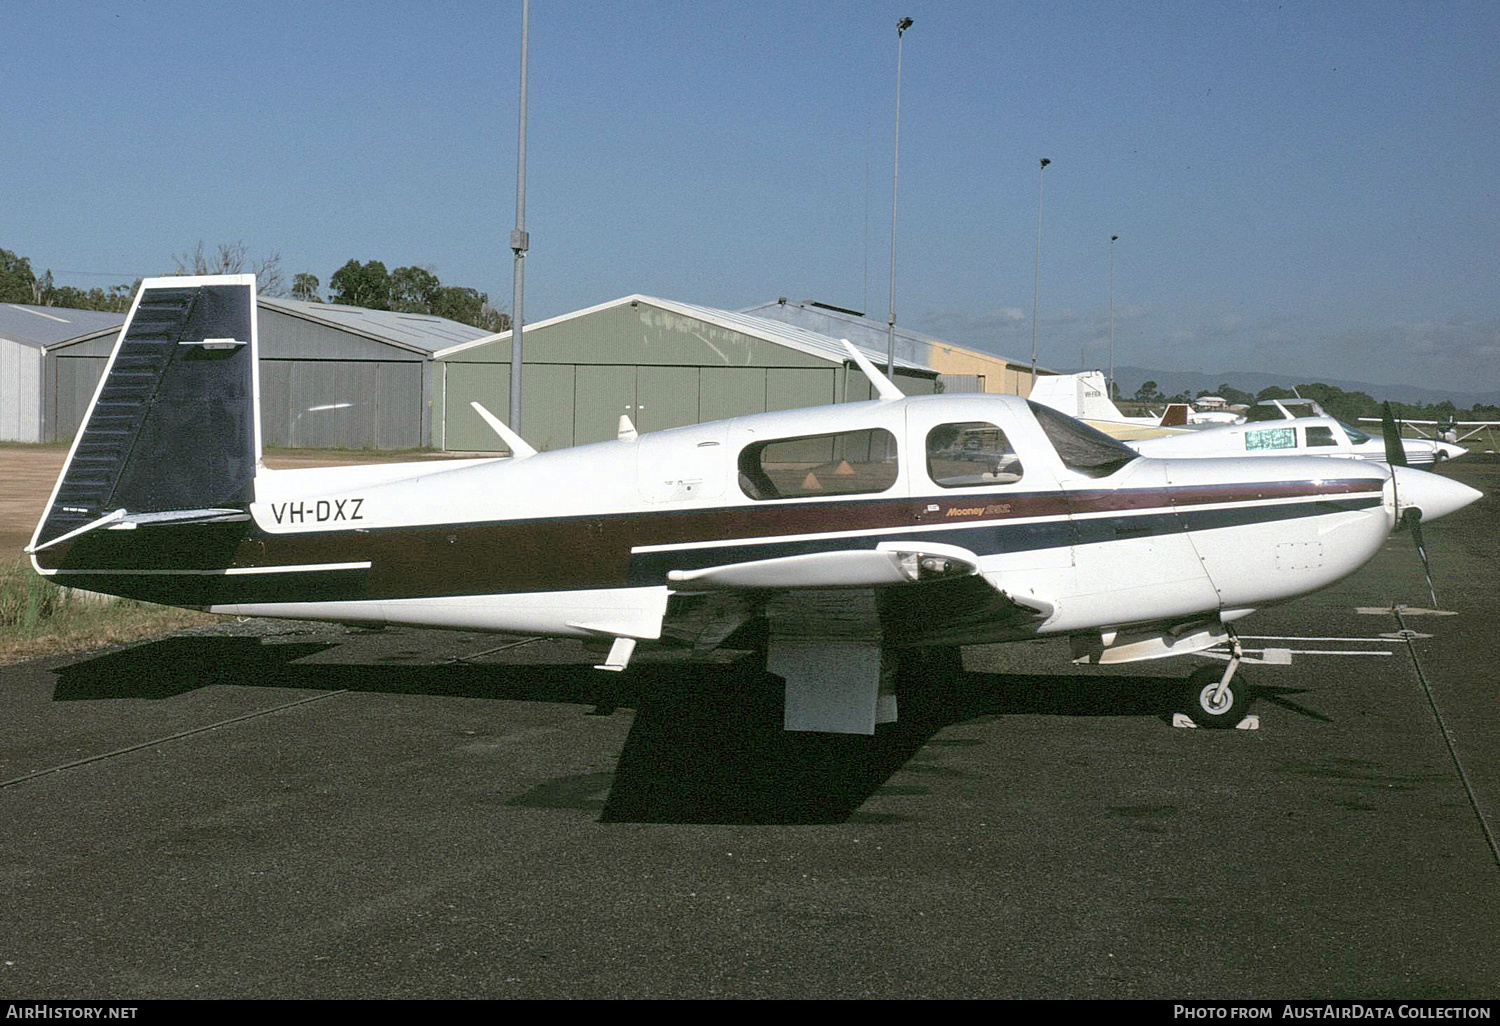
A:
(974, 480)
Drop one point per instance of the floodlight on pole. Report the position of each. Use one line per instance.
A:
(1036, 287)
(890, 322)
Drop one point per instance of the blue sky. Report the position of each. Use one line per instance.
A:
(1299, 186)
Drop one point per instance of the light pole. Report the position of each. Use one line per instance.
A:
(1112, 240)
(890, 321)
(1036, 287)
(520, 242)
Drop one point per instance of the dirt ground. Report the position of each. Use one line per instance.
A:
(28, 472)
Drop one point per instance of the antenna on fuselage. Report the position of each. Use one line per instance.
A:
(518, 448)
(883, 385)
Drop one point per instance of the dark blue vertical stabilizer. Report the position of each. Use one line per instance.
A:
(173, 425)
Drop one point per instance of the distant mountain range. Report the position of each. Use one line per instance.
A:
(1128, 379)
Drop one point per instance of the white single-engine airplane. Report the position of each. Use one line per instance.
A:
(1454, 432)
(924, 523)
(1318, 435)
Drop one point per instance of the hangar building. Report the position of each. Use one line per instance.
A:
(331, 376)
(960, 368)
(663, 363)
(28, 334)
(345, 377)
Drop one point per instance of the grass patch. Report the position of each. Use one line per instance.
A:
(38, 618)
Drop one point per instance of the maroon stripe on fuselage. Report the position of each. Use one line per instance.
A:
(1105, 500)
(577, 553)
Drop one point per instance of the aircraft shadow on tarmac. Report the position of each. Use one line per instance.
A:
(706, 744)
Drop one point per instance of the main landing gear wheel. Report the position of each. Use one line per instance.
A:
(1215, 707)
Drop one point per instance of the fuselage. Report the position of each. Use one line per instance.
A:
(581, 541)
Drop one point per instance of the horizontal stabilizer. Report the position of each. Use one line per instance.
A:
(121, 520)
(115, 517)
(181, 516)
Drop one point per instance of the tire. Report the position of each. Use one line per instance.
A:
(1225, 714)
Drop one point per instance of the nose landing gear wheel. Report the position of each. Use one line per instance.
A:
(1211, 706)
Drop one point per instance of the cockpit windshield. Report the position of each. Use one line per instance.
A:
(1356, 436)
(1087, 450)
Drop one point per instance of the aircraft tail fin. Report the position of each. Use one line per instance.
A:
(1175, 415)
(174, 426)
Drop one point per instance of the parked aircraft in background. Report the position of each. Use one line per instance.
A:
(919, 524)
(1453, 432)
(1289, 427)
(1085, 397)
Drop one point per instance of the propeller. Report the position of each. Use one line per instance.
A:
(1395, 452)
(1395, 455)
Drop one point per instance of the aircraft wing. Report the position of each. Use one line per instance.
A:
(1432, 423)
(831, 615)
(1462, 430)
(909, 576)
(887, 564)
(1127, 431)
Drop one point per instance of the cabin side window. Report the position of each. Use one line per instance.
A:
(1271, 438)
(1318, 435)
(971, 454)
(815, 466)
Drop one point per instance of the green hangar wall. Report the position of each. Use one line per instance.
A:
(662, 363)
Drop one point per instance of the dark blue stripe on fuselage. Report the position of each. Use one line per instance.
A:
(994, 538)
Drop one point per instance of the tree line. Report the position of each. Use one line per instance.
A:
(405, 289)
(370, 285)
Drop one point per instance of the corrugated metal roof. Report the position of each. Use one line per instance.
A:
(48, 325)
(858, 323)
(780, 332)
(790, 335)
(421, 332)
